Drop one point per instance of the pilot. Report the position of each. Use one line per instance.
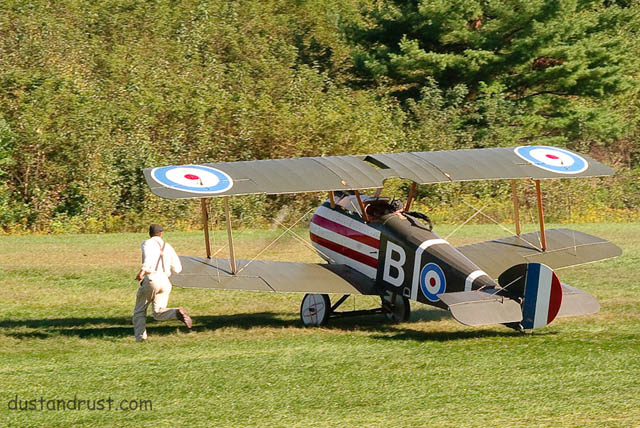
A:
(158, 260)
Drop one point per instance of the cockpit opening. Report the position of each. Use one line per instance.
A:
(375, 207)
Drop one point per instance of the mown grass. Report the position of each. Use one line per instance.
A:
(66, 302)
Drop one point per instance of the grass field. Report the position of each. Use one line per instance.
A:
(65, 332)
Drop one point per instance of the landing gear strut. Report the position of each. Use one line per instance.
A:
(316, 309)
(396, 307)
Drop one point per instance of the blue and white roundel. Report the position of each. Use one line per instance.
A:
(432, 281)
(553, 159)
(193, 178)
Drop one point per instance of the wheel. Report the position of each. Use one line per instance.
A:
(396, 307)
(315, 309)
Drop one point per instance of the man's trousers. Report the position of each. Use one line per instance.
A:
(154, 289)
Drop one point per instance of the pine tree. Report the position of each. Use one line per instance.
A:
(543, 68)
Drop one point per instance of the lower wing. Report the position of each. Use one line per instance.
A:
(261, 275)
(565, 247)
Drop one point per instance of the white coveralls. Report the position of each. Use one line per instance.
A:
(158, 260)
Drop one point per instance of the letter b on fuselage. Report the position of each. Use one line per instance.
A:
(412, 272)
(394, 259)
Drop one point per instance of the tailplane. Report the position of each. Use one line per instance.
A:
(530, 296)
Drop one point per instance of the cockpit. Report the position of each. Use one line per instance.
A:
(375, 207)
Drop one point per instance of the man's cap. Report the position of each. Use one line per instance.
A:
(155, 229)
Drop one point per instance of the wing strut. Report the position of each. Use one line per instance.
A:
(516, 206)
(232, 256)
(543, 237)
(365, 217)
(205, 225)
(412, 192)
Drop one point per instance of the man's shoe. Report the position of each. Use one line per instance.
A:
(186, 319)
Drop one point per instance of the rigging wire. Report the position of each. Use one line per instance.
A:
(275, 240)
(466, 221)
(306, 244)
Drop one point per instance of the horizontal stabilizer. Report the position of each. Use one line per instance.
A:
(261, 275)
(577, 302)
(565, 247)
(481, 307)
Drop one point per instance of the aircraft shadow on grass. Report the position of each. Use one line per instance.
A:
(119, 327)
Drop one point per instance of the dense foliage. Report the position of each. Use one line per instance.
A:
(547, 66)
(91, 92)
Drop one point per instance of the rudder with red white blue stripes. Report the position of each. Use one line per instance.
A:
(542, 296)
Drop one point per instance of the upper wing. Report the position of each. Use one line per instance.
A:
(565, 247)
(314, 174)
(260, 275)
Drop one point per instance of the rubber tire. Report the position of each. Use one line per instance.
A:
(323, 317)
(401, 309)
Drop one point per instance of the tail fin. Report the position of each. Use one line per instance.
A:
(540, 290)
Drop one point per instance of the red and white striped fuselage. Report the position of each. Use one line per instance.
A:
(342, 238)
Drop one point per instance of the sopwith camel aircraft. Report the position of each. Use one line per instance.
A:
(377, 246)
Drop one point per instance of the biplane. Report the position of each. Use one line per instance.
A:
(376, 246)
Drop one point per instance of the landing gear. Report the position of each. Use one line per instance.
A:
(395, 307)
(316, 309)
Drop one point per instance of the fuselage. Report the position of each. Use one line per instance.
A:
(396, 250)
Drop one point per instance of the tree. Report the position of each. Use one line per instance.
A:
(543, 69)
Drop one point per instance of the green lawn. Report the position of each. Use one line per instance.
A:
(66, 303)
